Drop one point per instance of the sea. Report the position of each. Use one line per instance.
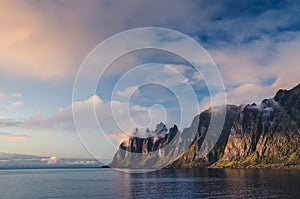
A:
(165, 183)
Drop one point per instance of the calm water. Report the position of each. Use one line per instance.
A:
(168, 183)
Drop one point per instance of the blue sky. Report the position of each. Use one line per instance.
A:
(255, 45)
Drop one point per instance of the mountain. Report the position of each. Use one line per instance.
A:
(253, 136)
(131, 151)
(10, 160)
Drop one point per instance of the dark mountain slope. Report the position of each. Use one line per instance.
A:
(265, 135)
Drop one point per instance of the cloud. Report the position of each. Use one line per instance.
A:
(53, 160)
(8, 105)
(10, 122)
(182, 69)
(16, 95)
(49, 40)
(127, 92)
(244, 94)
(189, 72)
(239, 23)
(11, 136)
(62, 119)
(43, 41)
(17, 104)
(257, 70)
(7, 98)
(9, 160)
(118, 137)
(2, 95)
(255, 47)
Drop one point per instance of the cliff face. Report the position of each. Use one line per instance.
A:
(137, 152)
(265, 135)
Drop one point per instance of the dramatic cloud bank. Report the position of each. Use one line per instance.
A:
(255, 45)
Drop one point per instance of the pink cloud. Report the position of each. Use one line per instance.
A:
(16, 104)
(2, 95)
(40, 43)
(12, 136)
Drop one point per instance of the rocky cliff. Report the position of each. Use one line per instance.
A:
(265, 135)
(138, 152)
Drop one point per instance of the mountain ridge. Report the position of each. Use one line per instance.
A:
(253, 136)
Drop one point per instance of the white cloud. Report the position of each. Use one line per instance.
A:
(114, 125)
(16, 95)
(244, 94)
(8, 102)
(197, 76)
(119, 137)
(127, 92)
(256, 71)
(53, 160)
(189, 72)
(182, 69)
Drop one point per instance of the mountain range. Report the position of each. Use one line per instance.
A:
(11, 160)
(253, 136)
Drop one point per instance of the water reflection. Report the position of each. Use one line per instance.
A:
(167, 183)
(205, 183)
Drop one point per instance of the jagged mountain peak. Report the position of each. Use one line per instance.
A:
(264, 135)
(161, 127)
(282, 94)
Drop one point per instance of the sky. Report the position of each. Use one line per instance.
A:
(254, 44)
